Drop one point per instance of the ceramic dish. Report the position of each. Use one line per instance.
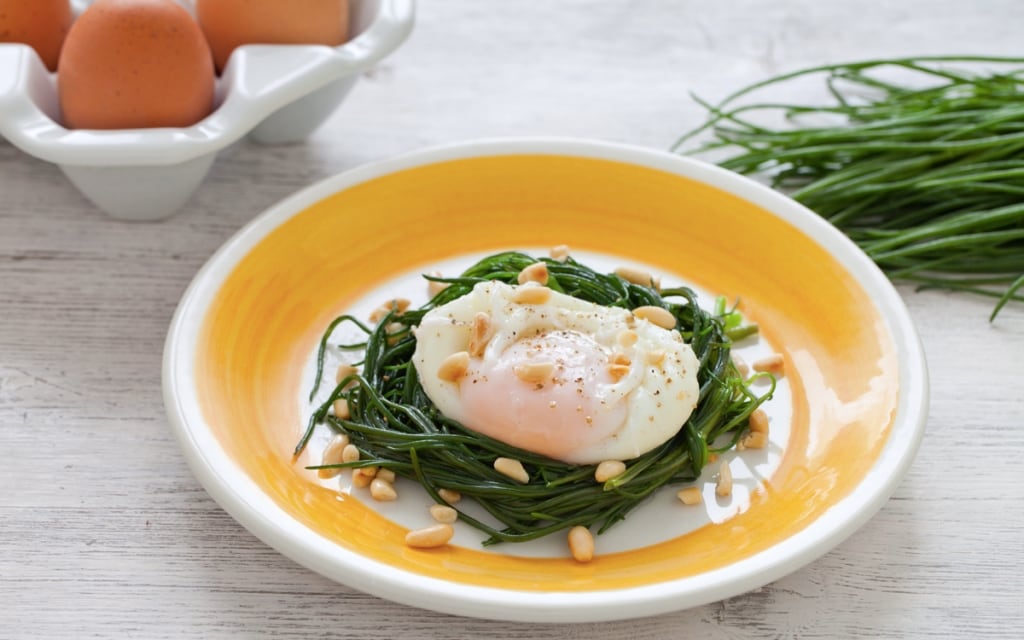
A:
(273, 93)
(846, 424)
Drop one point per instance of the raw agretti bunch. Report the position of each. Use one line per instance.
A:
(926, 177)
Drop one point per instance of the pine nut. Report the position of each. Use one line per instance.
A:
(382, 490)
(341, 411)
(393, 330)
(636, 276)
(741, 365)
(656, 357)
(618, 366)
(512, 468)
(454, 367)
(350, 453)
(332, 455)
(535, 372)
(345, 371)
(723, 487)
(581, 544)
(361, 479)
(387, 475)
(531, 294)
(536, 272)
(398, 305)
(657, 316)
(480, 334)
(559, 252)
(434, 288)
(689, 496)
(609, 469)
(627, 338)
(772, 364)
(430, 537)
(443, 513)
(451, 496)
(759, 421)
(755, 440)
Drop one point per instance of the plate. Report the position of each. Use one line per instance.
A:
(846, 423)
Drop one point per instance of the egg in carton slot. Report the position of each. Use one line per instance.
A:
(271, 93)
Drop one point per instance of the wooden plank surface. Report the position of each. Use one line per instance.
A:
(105, 533)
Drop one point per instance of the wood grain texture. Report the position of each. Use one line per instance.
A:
(105, 533)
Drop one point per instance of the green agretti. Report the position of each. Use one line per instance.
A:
(396, 426)
(926, 175)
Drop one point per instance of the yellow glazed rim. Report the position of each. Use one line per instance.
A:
(243, 331)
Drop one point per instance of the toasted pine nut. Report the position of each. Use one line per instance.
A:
(387, 475)
(741, 365)
(627, 338)
(560, 252)
(399, 305)
(443, 513)
(434, 288)
(345, 371)
(618, 371)
(382, 490)
(450, 496)
(759, 421)
(689, 496)
(393, 329)
(581, 544)
(481, 334)
(531, 294)
(609, 469)
(512, 468)
(755, 440)
(332, 455)
(656, 316)
(724, 485)
(712, 457)
(656, 357)
(454, 367)
(429, 537)
(772, 364)
(361, 479)
(350, 453)
(636, 276)
(618, 366)
(341, 411)
(536, 372)
(536, 272)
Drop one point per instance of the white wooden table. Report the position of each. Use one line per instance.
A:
(103, 530)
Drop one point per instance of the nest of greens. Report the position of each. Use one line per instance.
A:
(396, 426)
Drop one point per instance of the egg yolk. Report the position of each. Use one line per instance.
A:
(575, 407)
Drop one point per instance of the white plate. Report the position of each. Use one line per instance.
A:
(847, 421)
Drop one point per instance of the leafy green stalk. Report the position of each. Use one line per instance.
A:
(925, 175)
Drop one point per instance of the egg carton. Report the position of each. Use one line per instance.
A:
(270, 93)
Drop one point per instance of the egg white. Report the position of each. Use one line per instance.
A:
(583, 415)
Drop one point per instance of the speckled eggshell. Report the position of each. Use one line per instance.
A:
(129, 64)
(41, 24)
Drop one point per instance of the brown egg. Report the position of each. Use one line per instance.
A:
(231, 23)
(129, 64)
(42, 24)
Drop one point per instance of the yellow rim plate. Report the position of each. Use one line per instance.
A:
(244, 330)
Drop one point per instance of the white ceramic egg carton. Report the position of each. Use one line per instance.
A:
(272, 93)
